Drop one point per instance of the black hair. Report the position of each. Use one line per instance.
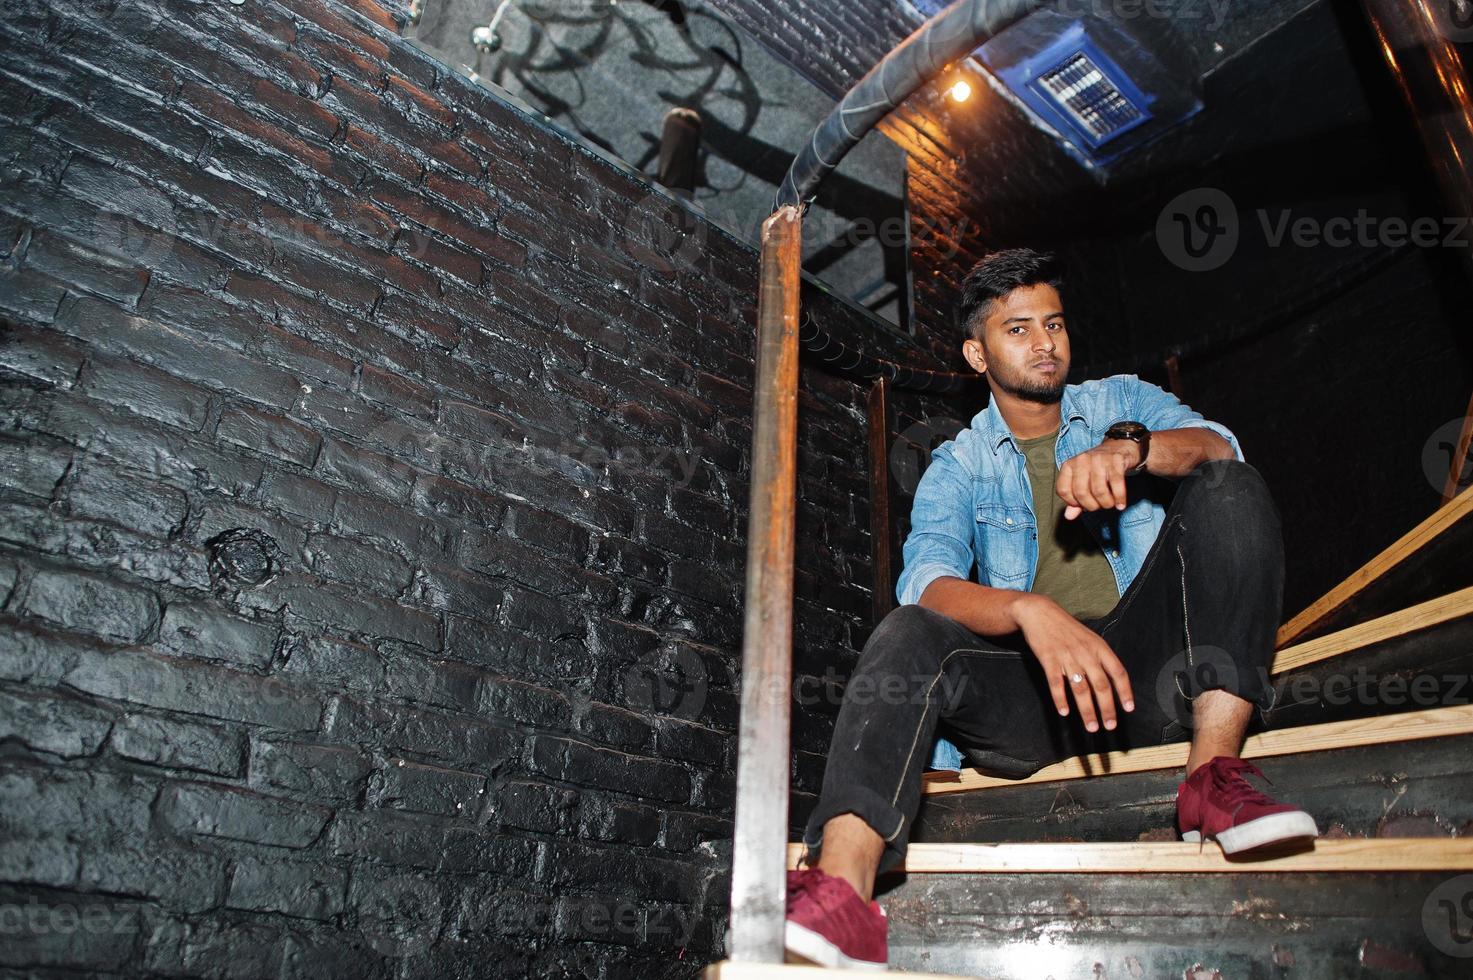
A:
(998, 274)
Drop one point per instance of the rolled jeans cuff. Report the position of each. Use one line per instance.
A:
(1250, 684)
(882, 816)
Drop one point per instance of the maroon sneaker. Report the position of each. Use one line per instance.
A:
(828, 923)
(1217, 802)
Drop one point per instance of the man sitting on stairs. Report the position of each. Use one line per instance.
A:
(1087, 591)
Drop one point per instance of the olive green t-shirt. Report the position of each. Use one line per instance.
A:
(1072, 570)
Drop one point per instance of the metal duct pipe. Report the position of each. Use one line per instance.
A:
(945, 38)
(951, 34)
(680, 149)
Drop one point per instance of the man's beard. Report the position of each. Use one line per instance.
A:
(1044, 388)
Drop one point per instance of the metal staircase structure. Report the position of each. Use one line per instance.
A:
(1075, 871)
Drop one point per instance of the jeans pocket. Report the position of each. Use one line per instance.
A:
(998, 764)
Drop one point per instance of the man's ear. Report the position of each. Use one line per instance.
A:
(972, 353)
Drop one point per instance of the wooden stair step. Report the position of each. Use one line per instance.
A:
(728, 970)
(1408, 726)
(1430, 558)
(1392, 626)
(1377, 679)
(1441, 854)
(1306, 926)
(1361, 791)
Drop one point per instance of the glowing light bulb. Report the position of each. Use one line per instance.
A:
(961, 91)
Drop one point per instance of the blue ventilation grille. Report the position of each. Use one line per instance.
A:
(1090, 82)
(1095, 103)
(1074, 83)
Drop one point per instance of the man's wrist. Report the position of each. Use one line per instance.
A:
(1024, 605)
(1131, 431)
(1127, 449)
(1136, 460)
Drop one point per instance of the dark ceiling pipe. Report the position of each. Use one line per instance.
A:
(841, 358)
(952, 34)
(949, 36)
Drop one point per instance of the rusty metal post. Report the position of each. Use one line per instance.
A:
(1454, 484)
(759, 847)
(881, 521)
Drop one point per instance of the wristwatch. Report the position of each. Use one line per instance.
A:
(1135, 432)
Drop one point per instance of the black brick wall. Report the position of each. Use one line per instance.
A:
(371, 557)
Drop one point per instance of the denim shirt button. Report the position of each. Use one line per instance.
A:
(1114, 554)
(1010, 520)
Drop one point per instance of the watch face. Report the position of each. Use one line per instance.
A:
(1126, 430)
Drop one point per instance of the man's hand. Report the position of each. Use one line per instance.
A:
(1095, 479)
(1067, 648)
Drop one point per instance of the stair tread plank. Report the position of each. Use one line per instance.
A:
(1361, 791)
(729, 970)
(1442, 609)
(1136, 857)
(1408, 726)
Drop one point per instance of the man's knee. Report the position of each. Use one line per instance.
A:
(911, 638)
(1229, 508)
(1229, 487)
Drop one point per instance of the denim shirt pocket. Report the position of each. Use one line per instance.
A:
(1003, 532)
(1140, 509)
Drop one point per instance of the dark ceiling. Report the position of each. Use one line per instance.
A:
(1296, 105)
(1269, 72)
(1299, 115)
(1292, 109)
(834, 42)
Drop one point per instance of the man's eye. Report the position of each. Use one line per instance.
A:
(1056, 324)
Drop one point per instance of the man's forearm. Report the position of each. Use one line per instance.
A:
(980, 608)
(1176, 452)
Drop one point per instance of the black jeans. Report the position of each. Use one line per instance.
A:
(1202, 613)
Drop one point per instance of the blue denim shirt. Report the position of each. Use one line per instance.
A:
(973, 506)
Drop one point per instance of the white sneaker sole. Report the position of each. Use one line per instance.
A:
(1272, 829)
(809, 946)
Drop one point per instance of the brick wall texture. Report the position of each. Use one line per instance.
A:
(375, 476)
